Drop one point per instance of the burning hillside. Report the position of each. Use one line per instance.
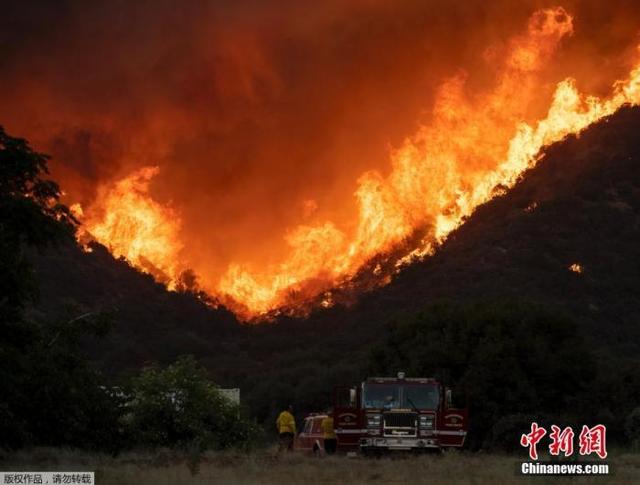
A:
(483, 128)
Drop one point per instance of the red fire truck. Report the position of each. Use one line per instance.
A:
(398, 413)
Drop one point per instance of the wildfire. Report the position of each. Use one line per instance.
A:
(134, 226)
(474, 148)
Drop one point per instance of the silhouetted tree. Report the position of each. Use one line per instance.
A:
(50, 394)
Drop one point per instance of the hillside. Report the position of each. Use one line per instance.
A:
(150, 323)
(579, 206)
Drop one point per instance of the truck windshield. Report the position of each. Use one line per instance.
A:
(406, 396)
(385, 396)
(421, 396)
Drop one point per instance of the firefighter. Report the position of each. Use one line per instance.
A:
(286, 425)
(329, 434)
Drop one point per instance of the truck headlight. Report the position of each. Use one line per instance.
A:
(426, 421)
(374, 420)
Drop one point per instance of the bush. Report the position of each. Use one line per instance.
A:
(506, 432)
(178, 406)
(632, 428)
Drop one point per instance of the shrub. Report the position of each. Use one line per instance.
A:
(178, 406)
(632, 428)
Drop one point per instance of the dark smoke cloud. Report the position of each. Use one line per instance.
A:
(251, 108)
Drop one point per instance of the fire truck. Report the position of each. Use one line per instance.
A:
(398, 413)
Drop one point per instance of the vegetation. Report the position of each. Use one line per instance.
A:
(49, 392)
(516, 363)
(53, 395)
(178, 406)
(266, 468)
(632, 428)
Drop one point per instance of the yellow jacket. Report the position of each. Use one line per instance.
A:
(328, 432)
(286, 423)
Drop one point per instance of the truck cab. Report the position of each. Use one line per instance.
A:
(398, 414)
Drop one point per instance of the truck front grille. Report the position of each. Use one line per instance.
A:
(400, 420)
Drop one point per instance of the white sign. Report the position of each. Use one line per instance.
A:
(232, 395)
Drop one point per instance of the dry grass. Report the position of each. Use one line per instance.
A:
(266, 467)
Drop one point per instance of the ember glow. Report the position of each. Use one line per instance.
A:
(576, 268)
(484, 126)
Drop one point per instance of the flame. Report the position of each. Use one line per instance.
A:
(76, 210)
(576, 268)
(474, 148)
(134, 226)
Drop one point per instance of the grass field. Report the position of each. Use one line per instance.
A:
(266, 467)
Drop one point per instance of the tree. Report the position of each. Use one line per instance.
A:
(52, 395)
(178, 406)
(510, 358)
(30, 215)
(632, 428)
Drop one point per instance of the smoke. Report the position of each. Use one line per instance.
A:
(262, 116)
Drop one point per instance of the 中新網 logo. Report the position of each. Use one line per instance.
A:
(591, 440)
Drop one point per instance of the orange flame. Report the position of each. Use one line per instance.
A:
(134, 226)
(576, 268)
(474, 148)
